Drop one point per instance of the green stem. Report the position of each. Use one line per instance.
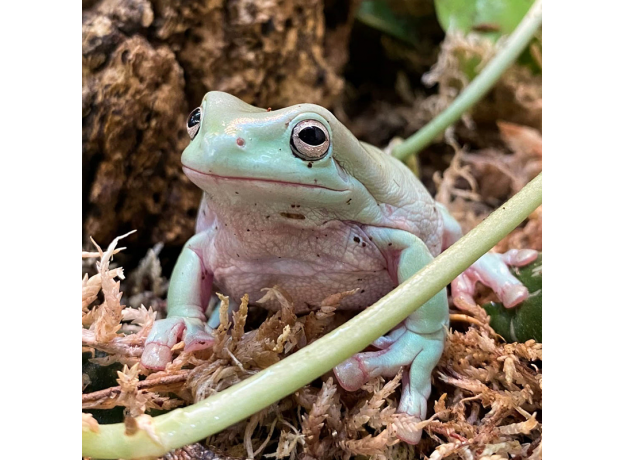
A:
(207, 417)
(488, 77)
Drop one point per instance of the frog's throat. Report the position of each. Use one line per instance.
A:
(190, 172)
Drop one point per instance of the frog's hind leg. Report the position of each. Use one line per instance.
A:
(491, 269)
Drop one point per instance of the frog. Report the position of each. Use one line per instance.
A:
(291, 198)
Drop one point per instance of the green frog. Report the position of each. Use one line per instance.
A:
(292, 198)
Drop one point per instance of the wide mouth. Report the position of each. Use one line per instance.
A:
(188, 169)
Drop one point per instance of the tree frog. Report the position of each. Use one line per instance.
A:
(292, 198)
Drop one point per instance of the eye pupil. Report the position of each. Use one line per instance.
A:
(312, 135)
(194, 118)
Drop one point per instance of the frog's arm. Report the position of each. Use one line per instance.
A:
(189, 292)
(415, 344)
(491, 269)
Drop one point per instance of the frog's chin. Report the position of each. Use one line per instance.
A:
(210, 181)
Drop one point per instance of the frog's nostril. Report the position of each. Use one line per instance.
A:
(240, 142)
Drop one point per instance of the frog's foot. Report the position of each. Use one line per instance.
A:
(166, 333)
(492, 270)
(419, 352)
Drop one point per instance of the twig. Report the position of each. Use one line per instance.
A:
(149, 383)
(479, 87)
(466, 319)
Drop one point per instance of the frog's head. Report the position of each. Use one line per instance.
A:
(300, 156)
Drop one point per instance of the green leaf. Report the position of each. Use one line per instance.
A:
(379, 15)
(492, 18)
(525, 321)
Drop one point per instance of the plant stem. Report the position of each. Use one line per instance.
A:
(193, 423)
(488, 77)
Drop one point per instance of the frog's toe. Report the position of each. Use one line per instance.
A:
(386, 341)
(350, 374)
(197, 340)
(463, 290)
(513, 295)
(519, 257)
(407, 433)
(166, 333)
(156, 356)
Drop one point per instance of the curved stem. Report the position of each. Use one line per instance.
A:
(508, 54)
(193, 423)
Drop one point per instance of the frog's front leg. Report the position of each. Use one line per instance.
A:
(416, 343)
(491, 270)
(189, 292)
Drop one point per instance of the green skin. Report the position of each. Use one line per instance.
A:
(316, 219)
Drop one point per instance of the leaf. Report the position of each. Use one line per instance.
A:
(491, 18)
(379, 15)
(525, 321)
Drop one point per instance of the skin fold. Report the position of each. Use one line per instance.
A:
(316, 219)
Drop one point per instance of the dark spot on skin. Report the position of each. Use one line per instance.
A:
(389, 244)
(318, 255)
(255, 204)
(216, 228)
(268, 217)
(359, 279)
(316, 237)
(349, 200)
(310, 164)
(315, 181)
(240, 142)
(298, 205)
(247, 229)
(236, 193)
(237, 255)
(203, 212)
(292, 205)
(363, 245)
(291, 215)
(356, 239)
(325, 234)
(363, 291)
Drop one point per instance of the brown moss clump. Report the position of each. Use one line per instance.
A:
(486, 400)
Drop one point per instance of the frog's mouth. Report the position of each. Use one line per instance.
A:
(190, 172)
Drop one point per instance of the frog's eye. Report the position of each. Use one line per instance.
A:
(309, 140)
(193, 122)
